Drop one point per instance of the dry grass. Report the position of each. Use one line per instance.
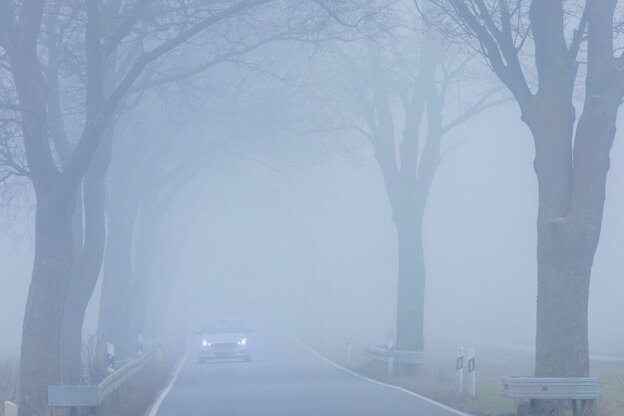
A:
(436, 380)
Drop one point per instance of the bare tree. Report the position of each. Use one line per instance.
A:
(56, 188)
(224, 45)
(141, 202)
(539, 51)
(397, 101)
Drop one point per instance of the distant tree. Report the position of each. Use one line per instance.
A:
(143, 185)
(157, 176)
(397, 93)
(541, 50)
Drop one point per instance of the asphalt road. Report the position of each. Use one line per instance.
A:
(284, 378)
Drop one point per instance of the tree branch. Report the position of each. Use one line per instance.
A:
(496, 46)
(142, 61)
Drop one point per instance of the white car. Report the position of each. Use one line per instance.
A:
(224, 338)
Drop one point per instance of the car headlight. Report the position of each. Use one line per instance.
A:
(242, 341)
(205, 343)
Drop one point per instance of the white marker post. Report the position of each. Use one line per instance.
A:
(472, 373)
(110, 357)
(390, 358)
(459, 370)
(10, 409)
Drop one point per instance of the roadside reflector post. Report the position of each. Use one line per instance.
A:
(110, 357)
(459, 370)
(10, 409)
(390, 358)
(472, 373)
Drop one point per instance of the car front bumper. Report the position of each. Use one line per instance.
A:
(225, 350)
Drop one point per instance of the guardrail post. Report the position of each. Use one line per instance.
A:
(110, 357)
(390, 358)
(459, 370)
(472, 372)
(140, 343)
(10, 409)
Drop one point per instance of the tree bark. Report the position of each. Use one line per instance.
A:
(145, 245)
(40, 350)
(117, 283)
(87, 264)
(411, 284)
(168, 262)
(572, 182)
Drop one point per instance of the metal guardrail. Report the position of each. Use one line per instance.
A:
(10, 409)
(94, 395)
(380, 353)
(551, 388)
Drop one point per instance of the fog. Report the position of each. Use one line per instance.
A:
(376, 175)
(260, 238)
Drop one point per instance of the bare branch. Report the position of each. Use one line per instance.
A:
(131, 76)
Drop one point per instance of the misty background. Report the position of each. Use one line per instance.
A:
(277, 239)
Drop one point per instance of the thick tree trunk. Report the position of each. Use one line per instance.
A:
(84, 279)
(117, 283)
(145, 247)
(87, 264)
(411, 284)
(40, 351)
(168, 261)
(571, 200)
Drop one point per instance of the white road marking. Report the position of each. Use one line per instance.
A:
(153, 411)
(381, 383)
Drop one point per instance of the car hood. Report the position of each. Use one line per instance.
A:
(226, 337)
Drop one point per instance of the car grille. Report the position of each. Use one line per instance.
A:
(225, 345)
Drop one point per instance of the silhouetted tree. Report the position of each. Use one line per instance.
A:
(536, 49)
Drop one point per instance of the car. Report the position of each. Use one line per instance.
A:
(226, 338)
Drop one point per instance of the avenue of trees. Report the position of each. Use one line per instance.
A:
(74, 74)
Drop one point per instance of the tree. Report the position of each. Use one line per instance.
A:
(396, 98)
(158, 176)
(142, 187)
(56, 188)
(571, 153)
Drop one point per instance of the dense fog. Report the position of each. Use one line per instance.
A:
(368, 181)
(257, 238)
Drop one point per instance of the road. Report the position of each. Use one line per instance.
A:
(284, 378)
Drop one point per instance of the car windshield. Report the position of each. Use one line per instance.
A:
(219, 326)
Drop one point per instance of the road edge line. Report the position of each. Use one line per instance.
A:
(155, 407)
(381, 383)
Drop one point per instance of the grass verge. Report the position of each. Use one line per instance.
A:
(436, 380)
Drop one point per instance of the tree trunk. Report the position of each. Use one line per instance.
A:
(572, 182)
(40, 350)
(411, 284)
(168, 263)
(84, 278)
(87, 264)
(117, 284)
(145, 247)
